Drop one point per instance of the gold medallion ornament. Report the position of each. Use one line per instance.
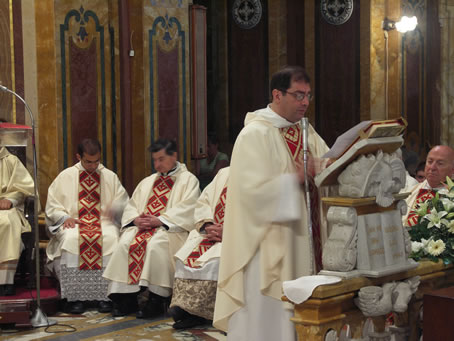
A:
(336, 12)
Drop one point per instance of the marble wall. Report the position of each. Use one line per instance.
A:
(7, 111)
(166, 67)
(76, 87)
(446, 15)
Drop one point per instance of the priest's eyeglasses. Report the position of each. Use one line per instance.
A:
(299, 96)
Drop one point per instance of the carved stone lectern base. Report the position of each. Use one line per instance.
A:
(332, 306)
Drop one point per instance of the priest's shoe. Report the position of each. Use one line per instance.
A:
(76, 307)
(190, 322)
(104, 306)
(177, 313)
(9, 290)
(123, 304)
(155, 306)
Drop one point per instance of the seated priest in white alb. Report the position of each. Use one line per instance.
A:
(155, 225)
(83, 214)
(197, 262)
(15, 185)
(439, 165)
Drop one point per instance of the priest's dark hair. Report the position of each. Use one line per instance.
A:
(88, 146)
(282, 80)
(169, 146)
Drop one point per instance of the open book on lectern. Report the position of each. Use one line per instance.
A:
(364, 138)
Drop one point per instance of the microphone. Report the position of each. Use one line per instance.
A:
(4, 88)
(304, 128)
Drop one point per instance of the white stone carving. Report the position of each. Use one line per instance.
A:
(375, 301)
(378, 175)
(403, 292)
(339, 252)
(372, 244)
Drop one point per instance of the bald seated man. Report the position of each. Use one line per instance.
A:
(439, 165)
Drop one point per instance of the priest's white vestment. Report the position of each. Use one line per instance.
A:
(15, 185)
(195, 287)
(63, 249)
(159, 265)
(265, 240)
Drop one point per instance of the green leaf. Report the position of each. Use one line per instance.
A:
(449, 182)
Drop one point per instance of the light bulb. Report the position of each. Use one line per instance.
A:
(406, 24)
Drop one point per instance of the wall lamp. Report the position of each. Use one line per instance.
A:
(404, 25)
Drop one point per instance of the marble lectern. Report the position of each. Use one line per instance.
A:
(368, 247)
(366, 236)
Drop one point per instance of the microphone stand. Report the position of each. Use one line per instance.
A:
(304, 128)
(39, 318)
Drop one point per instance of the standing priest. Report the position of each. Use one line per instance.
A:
(265, 239)
(155, 223)
(83, 213)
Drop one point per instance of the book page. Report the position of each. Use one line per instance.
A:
(345, 140)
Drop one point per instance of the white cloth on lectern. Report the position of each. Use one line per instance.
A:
(300, 289)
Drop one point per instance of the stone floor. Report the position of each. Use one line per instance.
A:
(95, 326)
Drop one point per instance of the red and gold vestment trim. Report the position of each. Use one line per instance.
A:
(423, 196)
(206, 244)
(294, 140)
(156, 205)
(90, 233)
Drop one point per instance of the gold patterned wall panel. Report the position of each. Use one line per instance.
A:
(6, 57)
(87, 106)
(446, 10)
(166, 69)
(77, 67)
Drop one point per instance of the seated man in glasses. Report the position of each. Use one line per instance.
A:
(83, 214)
(439, 165)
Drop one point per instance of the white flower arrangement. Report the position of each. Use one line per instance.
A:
(433, 236)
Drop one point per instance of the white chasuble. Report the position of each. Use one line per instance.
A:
(158, 263)
(262, 175)
(15, 185)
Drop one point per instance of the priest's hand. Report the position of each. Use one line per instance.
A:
(70, 223)
(214, 232)
(147, 222)
(5, 204)
(310, 169)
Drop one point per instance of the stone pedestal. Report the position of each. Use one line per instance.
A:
(377, 238)
(331, 306)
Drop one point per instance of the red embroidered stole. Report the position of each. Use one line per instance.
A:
(423, 195)
(206, 244)
(294, 140)
(90, 233)
(156, 205)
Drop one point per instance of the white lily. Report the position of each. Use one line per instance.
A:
(450, 227)
(435, 218)
(447, 204)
